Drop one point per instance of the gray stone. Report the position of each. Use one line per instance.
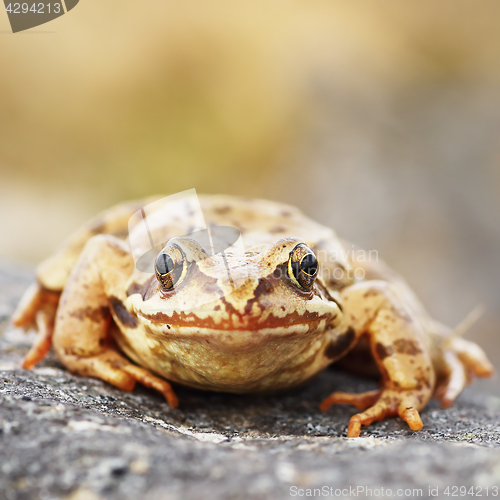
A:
(65, 436)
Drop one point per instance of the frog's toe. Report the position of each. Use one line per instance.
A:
(24, 315)
(360, 401)
(378, 411)
(456, 379)
(472, 357)
(43, 340)
(37, 310)
(149, 380)
(34, 299)
(412, 417)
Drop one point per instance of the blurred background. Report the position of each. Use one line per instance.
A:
(380, 119)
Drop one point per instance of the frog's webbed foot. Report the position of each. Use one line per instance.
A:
(382, 404)
(461, 362)
(37, 310)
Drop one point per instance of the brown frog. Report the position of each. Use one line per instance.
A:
(302, 302)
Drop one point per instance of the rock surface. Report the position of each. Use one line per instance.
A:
(64, 436)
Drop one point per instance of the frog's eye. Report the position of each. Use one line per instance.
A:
(170, 267)
(302, 267)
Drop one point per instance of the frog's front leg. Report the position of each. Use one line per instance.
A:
(81, 333)
(399, 346)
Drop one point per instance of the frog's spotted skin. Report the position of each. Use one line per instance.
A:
(288, 320)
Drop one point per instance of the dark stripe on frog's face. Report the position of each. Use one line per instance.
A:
(122, 313)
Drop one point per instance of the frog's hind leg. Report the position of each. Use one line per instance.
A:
(37, 309)
(82, 337)
(460, 361)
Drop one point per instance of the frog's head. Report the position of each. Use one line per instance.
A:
(272, 289)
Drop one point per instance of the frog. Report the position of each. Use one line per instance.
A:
(303, 302)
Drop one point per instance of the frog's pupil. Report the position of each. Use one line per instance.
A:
(309, 264)
(164, 264)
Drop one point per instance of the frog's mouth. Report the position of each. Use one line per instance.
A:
(182, 323)
(222, 318)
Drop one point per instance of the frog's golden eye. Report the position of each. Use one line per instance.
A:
(302, 267)
(170, 267)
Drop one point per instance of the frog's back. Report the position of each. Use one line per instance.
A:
(262, 222)
(53, 272)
